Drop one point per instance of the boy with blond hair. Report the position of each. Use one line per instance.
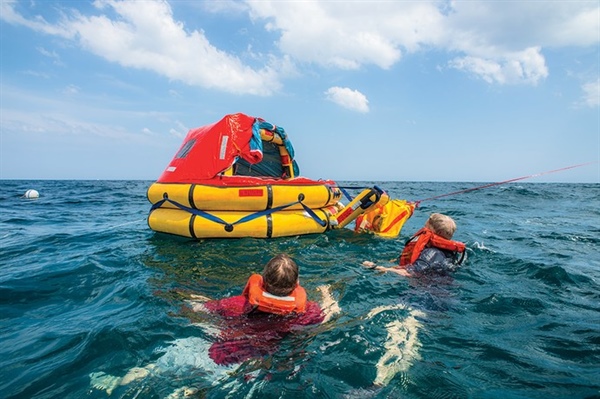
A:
(430, 250)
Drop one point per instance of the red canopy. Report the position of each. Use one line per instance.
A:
(211, 149)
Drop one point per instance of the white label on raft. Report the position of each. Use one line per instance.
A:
(224, 141)
(171, 168)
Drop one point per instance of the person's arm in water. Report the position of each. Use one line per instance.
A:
(431, 260)
(329, 305)
(400, 271)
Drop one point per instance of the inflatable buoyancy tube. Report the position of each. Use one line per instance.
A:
(295, 302)
(277, 224)
(421, 240)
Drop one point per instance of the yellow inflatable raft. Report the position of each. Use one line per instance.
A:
(238, 178)
(269, 223)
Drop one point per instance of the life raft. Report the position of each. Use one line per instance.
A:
(274, 222)
(238, 178)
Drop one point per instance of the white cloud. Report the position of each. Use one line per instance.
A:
(57, 124)
(149, 38)
(487, 26)
(501, 42)
(71, 113)
(179, 131)
(221, 6)
(50, 54)
(591, 93)
(71, 90)
(10, 15)
(37, 74)
(348, 98)
(527, 66)
(347, 35)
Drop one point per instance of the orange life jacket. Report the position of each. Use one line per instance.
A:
(295, 302)
(423, 238)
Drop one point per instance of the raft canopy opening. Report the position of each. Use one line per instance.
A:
(270, 166)
(237, 145)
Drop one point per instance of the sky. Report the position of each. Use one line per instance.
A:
(469, 91)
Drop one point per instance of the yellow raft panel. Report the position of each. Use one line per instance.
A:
(247, 198)
(276, 224)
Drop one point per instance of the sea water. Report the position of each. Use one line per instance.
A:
(91, 301)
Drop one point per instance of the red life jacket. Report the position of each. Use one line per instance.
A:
(423, 238)
(295, 302)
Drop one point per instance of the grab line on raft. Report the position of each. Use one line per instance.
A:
(244, 219)
(501, 182)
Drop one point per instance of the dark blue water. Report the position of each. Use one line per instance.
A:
(88, 292)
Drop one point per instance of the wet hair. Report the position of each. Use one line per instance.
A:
(280, 275)
(442, 225)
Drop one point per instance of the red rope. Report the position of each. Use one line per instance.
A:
(501, 182)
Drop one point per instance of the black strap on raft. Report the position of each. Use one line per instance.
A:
(193, 211)
(367, 201)
(348, 196)
(247, 218)
(375, 190)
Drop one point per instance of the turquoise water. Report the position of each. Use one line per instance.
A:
(88, 292)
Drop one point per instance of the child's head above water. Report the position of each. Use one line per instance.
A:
(441, 225)
(280, 275)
